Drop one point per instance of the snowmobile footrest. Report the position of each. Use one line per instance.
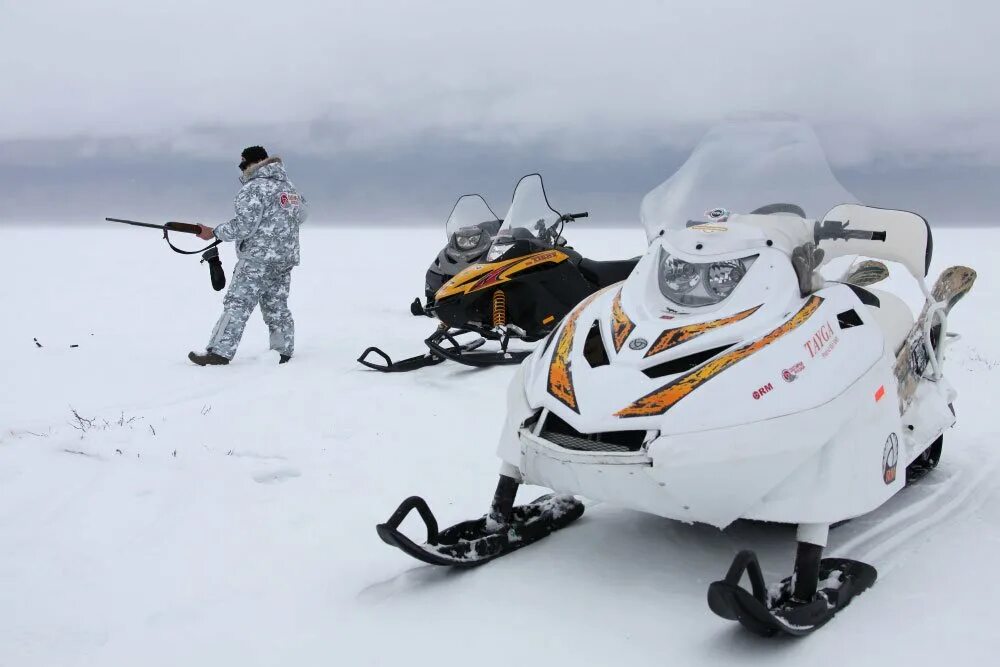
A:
(402, 366)
(479, 541)
(767, 614)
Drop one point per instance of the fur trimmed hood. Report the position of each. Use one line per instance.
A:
(271, 167)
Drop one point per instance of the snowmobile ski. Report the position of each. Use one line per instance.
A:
(438, 354)
(466, 354)
(913, 358)
(769, 613)
(475, 542)
(401, 366)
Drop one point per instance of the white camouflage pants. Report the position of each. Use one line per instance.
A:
(255, 283)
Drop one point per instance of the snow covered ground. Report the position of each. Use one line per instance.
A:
(225, 516)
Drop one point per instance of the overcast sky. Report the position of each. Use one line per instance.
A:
(391, 109)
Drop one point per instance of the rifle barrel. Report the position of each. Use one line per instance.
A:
(134, 222)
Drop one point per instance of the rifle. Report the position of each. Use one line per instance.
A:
(209, 253)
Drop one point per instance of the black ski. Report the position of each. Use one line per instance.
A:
(479, 541)
(769, 613)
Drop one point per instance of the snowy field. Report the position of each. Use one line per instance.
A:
(225, 516)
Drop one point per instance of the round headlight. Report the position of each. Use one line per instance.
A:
(468, 242)
(679, 276)
(724, 276)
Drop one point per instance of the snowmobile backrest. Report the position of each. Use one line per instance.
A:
(907, 237)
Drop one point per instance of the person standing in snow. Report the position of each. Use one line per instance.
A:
(269, 211)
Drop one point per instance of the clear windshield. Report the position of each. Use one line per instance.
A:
(744, 166)
(470, 211)
(529, 209)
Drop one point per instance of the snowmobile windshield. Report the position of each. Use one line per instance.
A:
(529, 209)
(746, 167)
(471, 211)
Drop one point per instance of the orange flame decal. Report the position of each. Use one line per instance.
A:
(621, 326)
(664, 398)
(481, 276)
(560, 371)
(673, 337)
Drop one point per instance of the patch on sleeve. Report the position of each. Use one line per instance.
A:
(289, 200)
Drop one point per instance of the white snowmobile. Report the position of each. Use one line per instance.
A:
(728, 379)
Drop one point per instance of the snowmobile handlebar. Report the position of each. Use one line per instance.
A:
(575, 216)
(836, 230)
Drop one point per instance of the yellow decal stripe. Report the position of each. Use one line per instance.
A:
(560, 371)
(481, 276)
(673, 337)
(664, 398)
(621, 326)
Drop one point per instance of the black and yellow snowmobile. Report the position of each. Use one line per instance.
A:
(529, 280)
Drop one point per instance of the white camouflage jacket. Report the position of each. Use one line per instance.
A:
(269, 211)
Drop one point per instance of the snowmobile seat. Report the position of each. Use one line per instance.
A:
(607, 273)
(893, 316)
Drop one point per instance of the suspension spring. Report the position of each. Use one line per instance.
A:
(499, 308)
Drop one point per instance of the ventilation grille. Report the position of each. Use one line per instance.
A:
(848, 319)
(683, 364)
(593, 348)
(560, 433)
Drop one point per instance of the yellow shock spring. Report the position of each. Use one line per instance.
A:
(499, 308)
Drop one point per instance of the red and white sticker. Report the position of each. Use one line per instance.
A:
(289, 200)
(791, 374)
(759, 393)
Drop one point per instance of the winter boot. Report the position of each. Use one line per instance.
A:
(284, 358)
(208, 359)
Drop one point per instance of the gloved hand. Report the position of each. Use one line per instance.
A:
(206, 233)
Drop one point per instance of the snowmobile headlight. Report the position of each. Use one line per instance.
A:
(497, 250)
(700, 284)
(467, 241)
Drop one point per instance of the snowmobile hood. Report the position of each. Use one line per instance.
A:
(628, 358)
(492, 274)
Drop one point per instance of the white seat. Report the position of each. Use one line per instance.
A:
(893, 316)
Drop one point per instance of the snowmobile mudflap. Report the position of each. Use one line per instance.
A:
(463, 354)
(767, 614)
(479, 541)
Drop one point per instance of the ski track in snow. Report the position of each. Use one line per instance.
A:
(226, 516)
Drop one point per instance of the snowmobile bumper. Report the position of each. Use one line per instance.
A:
(716, 476)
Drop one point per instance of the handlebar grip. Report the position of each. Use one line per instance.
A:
(183, 227)
(577, 216)
(878, 236)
